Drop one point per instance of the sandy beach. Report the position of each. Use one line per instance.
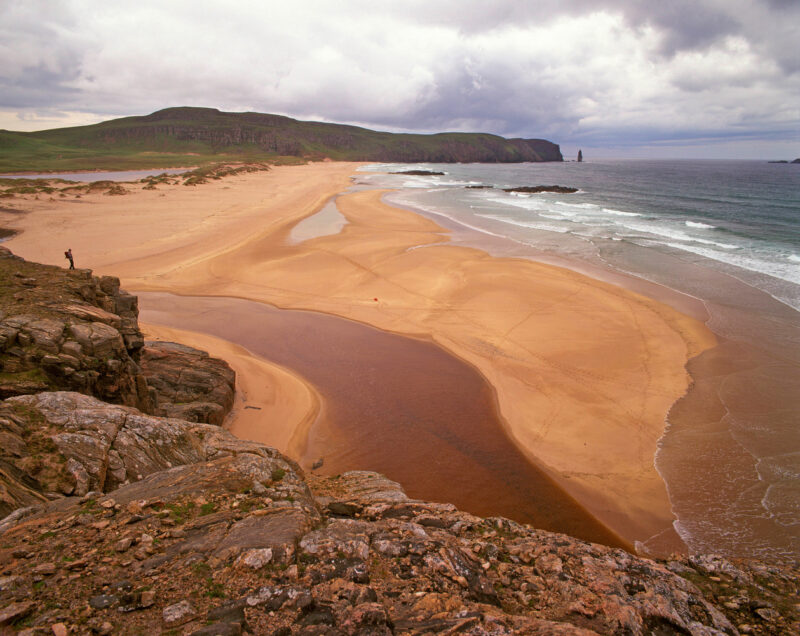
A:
(584, 372)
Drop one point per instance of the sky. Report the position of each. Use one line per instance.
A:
(617, 78)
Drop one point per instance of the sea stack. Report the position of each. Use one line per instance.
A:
(580, 156)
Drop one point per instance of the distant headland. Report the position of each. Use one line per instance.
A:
(188, 136)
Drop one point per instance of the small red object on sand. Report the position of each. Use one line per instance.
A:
(375, 299)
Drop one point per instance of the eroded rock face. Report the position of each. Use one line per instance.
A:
(238, 542)
(64, 443)
(66, 329)
(189, 384)
(122, 522)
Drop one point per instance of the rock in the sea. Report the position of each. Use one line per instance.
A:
(542, 188)
(421, 173)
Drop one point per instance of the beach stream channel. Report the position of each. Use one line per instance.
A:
(401, 406)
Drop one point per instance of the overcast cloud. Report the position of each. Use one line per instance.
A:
(696, 78)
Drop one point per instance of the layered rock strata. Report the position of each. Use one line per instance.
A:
(214, 535)
(189, 384)
(66, 329)
(126, 523)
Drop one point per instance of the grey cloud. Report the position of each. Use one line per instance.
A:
(785, 5)
(38, 62)
(36, 87)
(418, 65)
(686, 23)
(689, 25)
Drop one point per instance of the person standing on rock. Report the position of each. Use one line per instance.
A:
(68, 256)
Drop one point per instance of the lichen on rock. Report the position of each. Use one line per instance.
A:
(120, 521)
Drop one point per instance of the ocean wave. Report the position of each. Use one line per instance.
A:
(582, 206)
(437, 182)
(528, 204)
(416, 183)
(794, 258)
(432, 182)
(724, 246)
(770, 268)
(675, 235)
(528, 224)
(620, 212)
(779, 467)
(416, 205)
(699, 225)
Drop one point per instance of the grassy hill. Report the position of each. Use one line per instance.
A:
(196, 136)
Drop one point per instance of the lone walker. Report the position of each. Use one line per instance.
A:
(68, 256)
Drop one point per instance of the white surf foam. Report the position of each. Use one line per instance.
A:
(752, 263)
(674, 235)
(518, 202)
(699, 225)
(529, 224)
(620, 212)
(582, 206)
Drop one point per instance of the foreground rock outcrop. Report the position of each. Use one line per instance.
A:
(66, 329)
(215, 535)
(68, 444)
(189, 384)
(119, 522)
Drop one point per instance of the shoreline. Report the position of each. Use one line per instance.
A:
(262, 388)
(367, 259)
(683, 302)
(397, 404)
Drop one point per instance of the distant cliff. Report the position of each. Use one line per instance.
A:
(202, 132)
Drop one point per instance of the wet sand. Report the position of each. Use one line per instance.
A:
(584, 372)
(399, 406)
(272, 404)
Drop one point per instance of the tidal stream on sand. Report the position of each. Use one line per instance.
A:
(400, 406)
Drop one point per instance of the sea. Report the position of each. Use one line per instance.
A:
(719, 240)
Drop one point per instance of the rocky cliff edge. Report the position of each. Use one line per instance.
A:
(177, 527)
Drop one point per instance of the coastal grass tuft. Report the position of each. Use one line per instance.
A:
(181, 512)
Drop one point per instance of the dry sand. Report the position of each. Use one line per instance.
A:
(585, 372)
(265, 392)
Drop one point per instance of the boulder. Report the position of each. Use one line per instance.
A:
(73, 443)
(98, 339)
(190, 384)
(542, 188)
